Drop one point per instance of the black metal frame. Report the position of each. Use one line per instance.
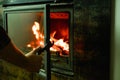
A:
(47, 9)
(27, 2)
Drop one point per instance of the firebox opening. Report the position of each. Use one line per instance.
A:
(59, 33)
(59, 29)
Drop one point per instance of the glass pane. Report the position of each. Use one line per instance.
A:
(26, 29)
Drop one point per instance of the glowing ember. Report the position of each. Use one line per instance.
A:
(60, 45)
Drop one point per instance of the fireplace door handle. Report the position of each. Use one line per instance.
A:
(47, 46)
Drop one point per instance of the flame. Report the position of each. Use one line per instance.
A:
(35, 30)
(60, 45)
(38, 36)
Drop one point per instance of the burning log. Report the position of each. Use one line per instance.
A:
(60, 45)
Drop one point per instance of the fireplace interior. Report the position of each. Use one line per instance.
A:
(33, 25)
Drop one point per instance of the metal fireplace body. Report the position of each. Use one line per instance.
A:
(19, 2)
(36, 24)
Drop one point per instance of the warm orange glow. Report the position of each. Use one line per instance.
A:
(60, 45)
(59, 15)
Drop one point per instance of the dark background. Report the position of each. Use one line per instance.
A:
(92, 24)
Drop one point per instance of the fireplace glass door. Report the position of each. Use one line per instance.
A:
(35, 25)
(27, 26)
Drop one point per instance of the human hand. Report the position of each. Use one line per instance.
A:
(34, 61)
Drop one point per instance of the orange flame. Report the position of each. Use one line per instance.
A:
(59, 45)
(38, 36)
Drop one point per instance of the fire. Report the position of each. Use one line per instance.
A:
(35, 30)
(60, 45)
(38, 36)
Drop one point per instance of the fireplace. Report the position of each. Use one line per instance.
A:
(30, 25)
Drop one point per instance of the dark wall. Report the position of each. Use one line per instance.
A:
(92, 38)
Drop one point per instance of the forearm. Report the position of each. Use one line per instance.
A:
(10, 53)
(13, 55)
